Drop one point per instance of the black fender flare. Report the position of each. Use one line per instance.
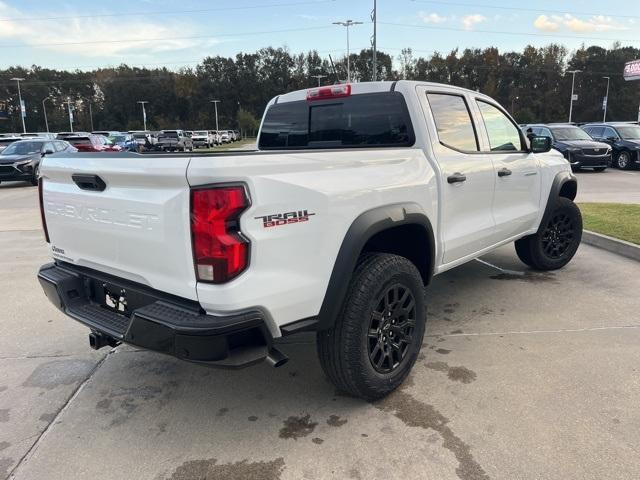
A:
(562, 179)
(363, 228)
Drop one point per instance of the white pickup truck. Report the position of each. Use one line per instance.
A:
(357, 196)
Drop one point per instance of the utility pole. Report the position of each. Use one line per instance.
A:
(605, 104)
(573, 84)
(215, 104)
(44, 110)
(374, 41)
(22, 112)
(70, 114)
(319, 77)
(144, 113)
(348, 24)
(91, 116)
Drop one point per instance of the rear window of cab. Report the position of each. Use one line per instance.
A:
(362, 120)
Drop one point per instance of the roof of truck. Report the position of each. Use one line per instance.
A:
(373, 87)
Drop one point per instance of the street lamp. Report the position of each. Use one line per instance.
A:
(215, 104)
(573, 83)
(44, 110)
(347, 24)
(319, 77)
(144, 113)
(70, 114)
(22, 112)
(513, 103)
(605, 104)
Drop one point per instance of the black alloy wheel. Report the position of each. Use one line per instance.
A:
(391, 327)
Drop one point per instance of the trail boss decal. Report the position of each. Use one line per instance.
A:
(279, 219)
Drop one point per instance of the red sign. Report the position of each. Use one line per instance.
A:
(632, 70)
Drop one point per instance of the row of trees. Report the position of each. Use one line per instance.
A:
(533, 84)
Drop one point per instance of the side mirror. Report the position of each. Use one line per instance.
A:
(540, 144)
(612, 139)
(48, 151)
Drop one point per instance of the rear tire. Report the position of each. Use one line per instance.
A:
(557, 241)
(376, 338)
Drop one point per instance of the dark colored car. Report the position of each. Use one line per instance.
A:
(93, 143)
(126, 141)
(21, 159)
(624, 138)
(576, 145)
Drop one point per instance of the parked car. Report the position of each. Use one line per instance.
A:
(174, 140)
(93, 143)
(21, 160)
(47, 135)
(399, 181)
(580, 150)
(225, 136)
(144, 140)
(65, 135)
(106, 133)
(6, 141)
(125, 141)
(202, 138)
(216, 137)
(623, 137)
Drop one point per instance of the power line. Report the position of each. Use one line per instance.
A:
(521, 9)
(163, 12)
(159, 39)
(502, 32)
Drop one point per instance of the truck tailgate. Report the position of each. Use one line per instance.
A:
(137, 228)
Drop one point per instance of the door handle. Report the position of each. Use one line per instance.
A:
(456, 178)
(505, 172)
(89, 182)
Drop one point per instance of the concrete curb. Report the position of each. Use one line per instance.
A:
(620, 247)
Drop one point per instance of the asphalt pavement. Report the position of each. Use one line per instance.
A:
(610, 186)
(523, 375)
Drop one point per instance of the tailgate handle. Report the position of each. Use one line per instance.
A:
(89, 182)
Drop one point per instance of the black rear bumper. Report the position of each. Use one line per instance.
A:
(154, 320)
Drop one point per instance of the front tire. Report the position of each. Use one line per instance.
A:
(376, 338)
(557, 240)
(623, 162)
(36, 176)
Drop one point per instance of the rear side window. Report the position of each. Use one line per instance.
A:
(453, 121)
(364, 120)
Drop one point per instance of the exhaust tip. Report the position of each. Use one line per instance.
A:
(276, 358)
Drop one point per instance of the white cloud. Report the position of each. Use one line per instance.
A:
(597, 23)
(546, 24)
(470, 21)
(77, 35)
(432, 17)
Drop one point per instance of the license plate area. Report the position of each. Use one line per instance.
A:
(115, 299)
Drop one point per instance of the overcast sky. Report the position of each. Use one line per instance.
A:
(86, 34)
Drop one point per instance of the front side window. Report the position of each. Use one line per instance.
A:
(609, 133)
(570, 133)
(453, 121)
(630, 133)
(23, 148)
(504, 136)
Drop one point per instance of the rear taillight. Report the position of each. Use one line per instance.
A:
(220, 252)
(324, 93)
(41, 199)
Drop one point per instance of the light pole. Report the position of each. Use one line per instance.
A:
(215, 104)
(374, 41)
(70, 114)
(144, 113)
(44, 110)
(513, 103)
(91, 115)
(319, 77)
(347, 24)
(605, 104)
(573, 83)
(22, 112)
